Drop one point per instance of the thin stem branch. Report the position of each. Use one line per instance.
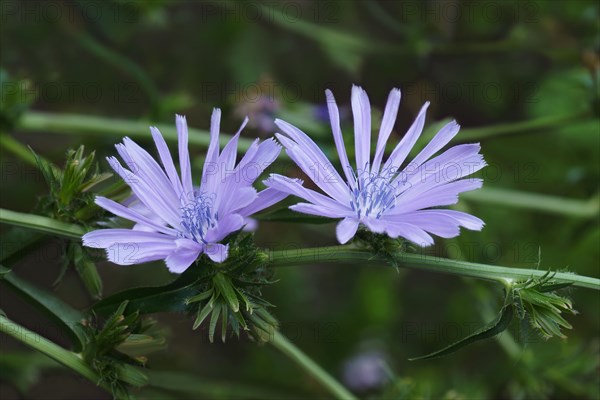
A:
(282, 344)
(535, 201)
(529, 126)
(12, 145)
(65, 357)
(349, 254)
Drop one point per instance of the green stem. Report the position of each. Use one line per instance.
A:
(534, 125)
(337, 254)
(41, 224)
(534, 201)
(282, 344)
(78, 124)
(349, 254)
(196, 387)
(65, 357)
(17, 148)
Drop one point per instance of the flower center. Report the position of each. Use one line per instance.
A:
(373, 195)
(197, 217)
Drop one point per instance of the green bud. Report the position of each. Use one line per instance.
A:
(537, 300)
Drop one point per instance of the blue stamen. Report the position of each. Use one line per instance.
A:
(373, 195)
(197, 217)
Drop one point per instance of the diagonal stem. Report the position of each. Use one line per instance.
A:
(282, 344)
(67, 358)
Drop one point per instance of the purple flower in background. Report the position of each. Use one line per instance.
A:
(175, 220)
(367, 370)
(395, 198)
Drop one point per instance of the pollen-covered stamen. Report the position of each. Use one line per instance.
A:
(373, 195)
(197, 217)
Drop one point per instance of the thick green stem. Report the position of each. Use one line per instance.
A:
(78, 124)
(282, 344)
(41, 224)
(338, 254)
(349, 254)
(65, 357)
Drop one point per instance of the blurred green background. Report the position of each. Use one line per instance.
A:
(521, 77)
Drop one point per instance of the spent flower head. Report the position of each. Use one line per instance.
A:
(395, 197)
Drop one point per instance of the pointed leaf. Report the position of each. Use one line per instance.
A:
(151, 299)
(214, 318)
(226, 289)
(498, 325)
(202, 314)
(63, 314)
(200, 297)
(224, 320)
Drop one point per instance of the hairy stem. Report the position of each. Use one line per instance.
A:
(339, 254)
(349, 254)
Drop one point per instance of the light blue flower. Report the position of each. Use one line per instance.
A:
(397, 197)
(175, 219)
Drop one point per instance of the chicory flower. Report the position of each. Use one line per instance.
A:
(395, 197)
(175, 220)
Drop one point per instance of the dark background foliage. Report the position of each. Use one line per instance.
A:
(519, 76)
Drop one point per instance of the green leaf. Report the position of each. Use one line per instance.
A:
(202, 314)
(200, 297)
(226, 289)
(245, 300)
(224, 320)
(554, 287)
(172, 297)
(214, 318)
(498, 325)
(67, 317)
